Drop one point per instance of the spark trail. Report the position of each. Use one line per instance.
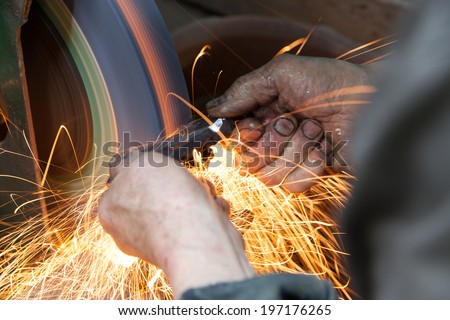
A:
(67, 255)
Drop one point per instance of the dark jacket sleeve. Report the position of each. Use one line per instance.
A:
(398, 223)
(271, 287)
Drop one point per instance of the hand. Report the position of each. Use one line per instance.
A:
(300, 112)
(156, 210)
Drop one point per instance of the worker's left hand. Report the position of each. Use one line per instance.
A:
(298, 115)
(156, 210)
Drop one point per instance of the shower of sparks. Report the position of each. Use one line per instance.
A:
(67, 255)
(283, 232)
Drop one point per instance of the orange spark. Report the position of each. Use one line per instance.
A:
(289, 47)
(217, 83)
(363, 47)
(4, 120)
(202, 53)
(283, 233)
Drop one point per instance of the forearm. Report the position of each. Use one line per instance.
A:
(207, 256)
(194, 270)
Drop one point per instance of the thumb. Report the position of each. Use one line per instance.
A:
(254, 89)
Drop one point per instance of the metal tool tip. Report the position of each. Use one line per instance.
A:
(215, 127)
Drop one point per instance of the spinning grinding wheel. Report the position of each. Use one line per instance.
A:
(101, 69)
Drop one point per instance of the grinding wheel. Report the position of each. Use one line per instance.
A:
(103, 69)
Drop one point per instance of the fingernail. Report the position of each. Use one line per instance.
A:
(250, 135)
(255, 124)
(215, 102)
(284, 127)
(311, 129)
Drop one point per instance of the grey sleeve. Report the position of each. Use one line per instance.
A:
(398, 222)
(271, 287)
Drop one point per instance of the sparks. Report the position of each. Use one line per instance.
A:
(203, 52)
(283, 233)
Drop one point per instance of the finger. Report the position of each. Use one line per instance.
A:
(109, 222)
(271, 145)
(248, 130)
(246, 94)
(128, 250)
(224, 205)
(122, 160)
(307, 174)
(104, 212)
(270, 112)
(210, 187)
(305, 138)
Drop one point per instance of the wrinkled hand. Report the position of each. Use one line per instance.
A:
(300, 112)
(156, 210)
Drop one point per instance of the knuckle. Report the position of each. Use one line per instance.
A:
(238, 83)
(102, 210)
(294, 187)
(282, 60)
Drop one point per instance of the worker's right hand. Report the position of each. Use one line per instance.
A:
(156, 210)
(299, 112)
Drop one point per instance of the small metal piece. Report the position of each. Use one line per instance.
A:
(197, 135)
(215, 127)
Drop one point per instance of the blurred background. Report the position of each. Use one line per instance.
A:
(246, 34)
